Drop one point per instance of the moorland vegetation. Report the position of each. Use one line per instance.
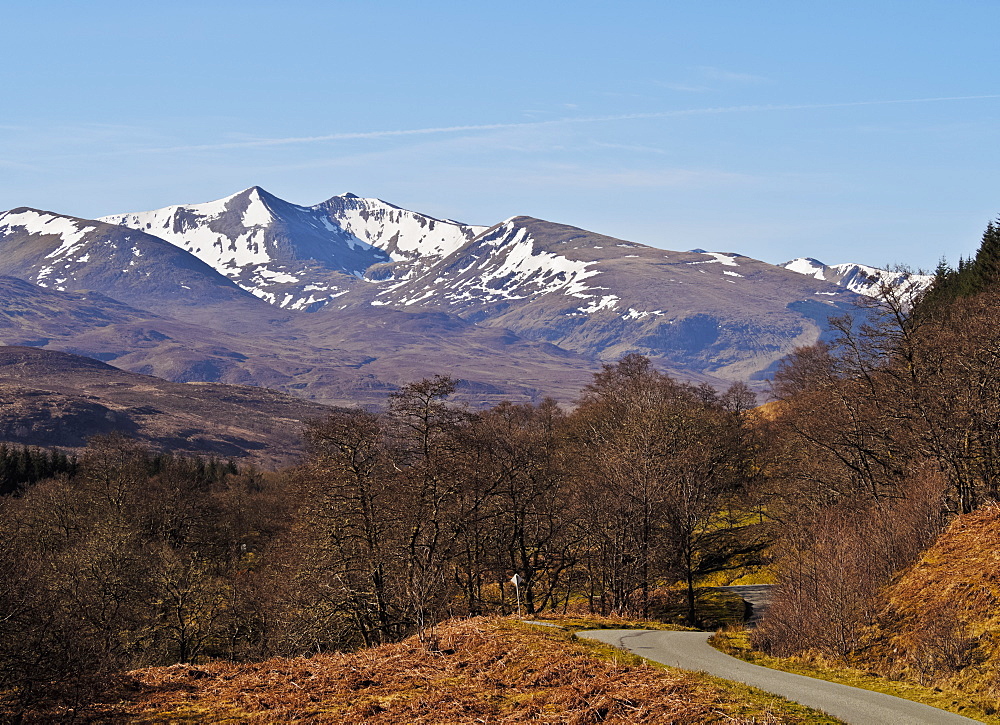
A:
(398, 520)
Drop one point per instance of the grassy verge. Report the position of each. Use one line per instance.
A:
(741, 701)
(576, 623)
(736, 642)
(668, 610)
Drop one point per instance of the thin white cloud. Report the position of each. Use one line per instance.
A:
(685, 87)
(436, 130)
(718, 74)
(572, 176)
(628, 147)
(7, 164)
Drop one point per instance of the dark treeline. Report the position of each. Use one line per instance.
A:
(117, 562)
(22, 466)
(395, 521)
(880, 439)
(971, 276)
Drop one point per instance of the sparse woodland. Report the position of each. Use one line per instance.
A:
(881, 440)
(400, 519)
(396, 521)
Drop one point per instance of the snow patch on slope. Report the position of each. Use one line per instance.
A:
(72, 235)
(515, 269)
(34, 222)
(860, 278)
(807, 266)
(717, 258)
(504, 264)
(404, 235)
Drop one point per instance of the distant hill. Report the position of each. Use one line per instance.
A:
(352, 358)
(68, 254)
(344, 301)
(57, 399)
(722, 316)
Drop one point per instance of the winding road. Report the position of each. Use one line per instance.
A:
(691, 651)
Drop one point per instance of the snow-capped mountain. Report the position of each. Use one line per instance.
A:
(722, 314)
(501, 266)
(298, 257)
(860, 278)
(65, 253)
(345, 300)
(403, 235)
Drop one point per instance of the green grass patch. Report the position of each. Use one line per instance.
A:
(736, 642)
(667, 610)
(576, 624)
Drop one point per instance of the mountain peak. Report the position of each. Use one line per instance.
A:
(350, 200)
(860, 278)
(255, 192)
(807, 266)
(803, 261)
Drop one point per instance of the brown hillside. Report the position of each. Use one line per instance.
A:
(51, 398)
(941, 623)
(485, 670)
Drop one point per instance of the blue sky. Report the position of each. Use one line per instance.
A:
(845, 131)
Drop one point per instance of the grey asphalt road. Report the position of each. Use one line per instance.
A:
(691, 651)
(758, 596)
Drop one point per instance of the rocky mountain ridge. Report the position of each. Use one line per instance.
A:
(298, 257)
(860, 278)
(345, 300)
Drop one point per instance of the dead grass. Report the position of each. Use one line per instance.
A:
(940, 626)
(483, 671)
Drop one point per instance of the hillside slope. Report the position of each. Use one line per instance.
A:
(940, 625)
(55, 399)
(484, 670)
(355, 357)
(69, 254)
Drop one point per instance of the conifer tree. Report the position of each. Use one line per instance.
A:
(986, 266)
(971, 276)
